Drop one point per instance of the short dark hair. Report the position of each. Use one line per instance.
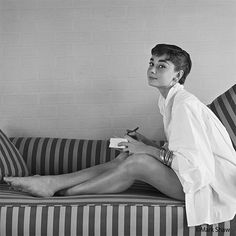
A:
(179, 57)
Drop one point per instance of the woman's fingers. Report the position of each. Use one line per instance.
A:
(124, 147)
(118, 149)
(130, 139)
(125, 144)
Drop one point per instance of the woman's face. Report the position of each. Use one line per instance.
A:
(161, 72)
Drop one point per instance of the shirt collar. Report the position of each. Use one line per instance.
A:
(164, 101)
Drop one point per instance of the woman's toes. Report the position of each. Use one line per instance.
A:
(8, 179)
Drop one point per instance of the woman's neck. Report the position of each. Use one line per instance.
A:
(164, 91)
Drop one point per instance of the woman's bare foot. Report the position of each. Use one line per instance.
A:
(67, 192)
(62, 192)
(37, 185)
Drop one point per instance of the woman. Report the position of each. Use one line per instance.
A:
(198, 164)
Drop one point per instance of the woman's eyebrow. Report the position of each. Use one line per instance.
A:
(164, 61)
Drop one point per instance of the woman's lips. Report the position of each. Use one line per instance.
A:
(150, 77)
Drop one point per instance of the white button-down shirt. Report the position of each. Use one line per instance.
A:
(204, 157)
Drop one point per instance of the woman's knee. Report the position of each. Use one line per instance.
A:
(136, 164)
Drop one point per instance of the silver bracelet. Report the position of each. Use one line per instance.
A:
(166, 157)
(162, 155)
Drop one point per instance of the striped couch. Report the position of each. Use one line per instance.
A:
(140, 210)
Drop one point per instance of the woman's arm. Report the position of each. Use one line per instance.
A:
(134, 146)
(154, 152)
(144, 139)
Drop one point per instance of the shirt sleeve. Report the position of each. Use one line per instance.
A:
(193, 159)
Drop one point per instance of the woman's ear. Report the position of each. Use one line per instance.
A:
(179, 75)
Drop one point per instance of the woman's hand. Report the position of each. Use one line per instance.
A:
(143, 139)
(137, 136)
(134, 147)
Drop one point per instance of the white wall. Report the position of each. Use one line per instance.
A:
(77, 68)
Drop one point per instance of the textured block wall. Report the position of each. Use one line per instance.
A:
(77, 68)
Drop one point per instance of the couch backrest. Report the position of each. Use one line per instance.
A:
(57, 156)
(224, 106)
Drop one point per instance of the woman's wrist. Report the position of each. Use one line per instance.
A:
(150, 143)
(154, 152)
(164, 156)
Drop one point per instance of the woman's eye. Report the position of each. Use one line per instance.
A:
(161, 66)
(151, 63)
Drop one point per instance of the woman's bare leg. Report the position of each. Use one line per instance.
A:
(46, 186)
(135, 167)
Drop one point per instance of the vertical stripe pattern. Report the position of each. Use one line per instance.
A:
(11, 161)
(224, 107)
(100, 220)
(52, 156)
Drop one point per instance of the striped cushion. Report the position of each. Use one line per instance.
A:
(224, 107)
(52, 156)
(11, 161)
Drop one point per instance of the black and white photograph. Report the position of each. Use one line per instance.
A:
(117, 118)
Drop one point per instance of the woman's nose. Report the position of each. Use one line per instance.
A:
(153, 70)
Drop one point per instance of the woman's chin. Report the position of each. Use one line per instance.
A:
(152, 83)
